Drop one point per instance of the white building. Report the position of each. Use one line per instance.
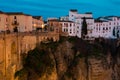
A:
(78, 19)
(104, 26)
(68, 27)
(64, 18)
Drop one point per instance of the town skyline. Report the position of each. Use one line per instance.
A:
(51, 8)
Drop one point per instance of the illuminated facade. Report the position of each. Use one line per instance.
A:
(37, 23)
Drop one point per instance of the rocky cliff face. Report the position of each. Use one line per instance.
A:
(75, 59)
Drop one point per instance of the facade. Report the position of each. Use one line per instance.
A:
(64, 18)
(68, 28)
(3, 21)
(65, 28)
(37, 23)
(78, 19)
(23, 22)
(10, 21)
(104, 26)
(54, 26)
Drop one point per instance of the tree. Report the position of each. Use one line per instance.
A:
(114, 31)
(84, 28)
(118, 34)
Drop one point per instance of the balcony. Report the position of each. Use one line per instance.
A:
(15, 23)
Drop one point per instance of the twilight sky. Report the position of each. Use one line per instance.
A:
(56, 8)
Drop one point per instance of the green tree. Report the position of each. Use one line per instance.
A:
(118, 34)
(114, 31)
(84, 28)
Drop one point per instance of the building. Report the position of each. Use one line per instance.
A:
(19, 21)
(68, 28)
(78, 19)
(54, 25)
(3, 22)
(64, 18)
(37, 23)
(104, 27)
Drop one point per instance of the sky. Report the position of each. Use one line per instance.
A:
(57, 8)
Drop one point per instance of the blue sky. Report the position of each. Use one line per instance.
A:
(56, 8)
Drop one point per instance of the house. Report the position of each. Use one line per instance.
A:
(19, 21)
(104, 27)
(4, 26)
(78, 19)
(37, 23)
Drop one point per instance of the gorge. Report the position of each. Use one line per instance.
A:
(72, 58)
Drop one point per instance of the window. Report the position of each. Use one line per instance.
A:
(109, 27)
(96, 24)
(66, 30)
(117, 23)
(15, 17)
(110, 23)
(103, 28)
(114, 23)
(106, 28)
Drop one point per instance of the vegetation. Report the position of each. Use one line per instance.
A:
(114, 31)
(118, 34)
(84, 28)
(37, 62)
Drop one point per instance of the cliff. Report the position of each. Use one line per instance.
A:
(72, 59)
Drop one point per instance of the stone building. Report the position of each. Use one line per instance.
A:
(37, 23)
(3, 21)
(19, 20)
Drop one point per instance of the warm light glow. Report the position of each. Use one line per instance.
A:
(42, 25)
(35, 25)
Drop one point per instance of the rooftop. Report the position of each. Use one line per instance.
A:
(16, 13)
(37, 17)
(73, 10)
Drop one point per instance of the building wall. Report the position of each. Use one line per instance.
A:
(3, 22)
(24, 22)
(78, 19)
(105, 29)
(37, 23)
(68, 28)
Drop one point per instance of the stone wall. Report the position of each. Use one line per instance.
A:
(13, 45)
